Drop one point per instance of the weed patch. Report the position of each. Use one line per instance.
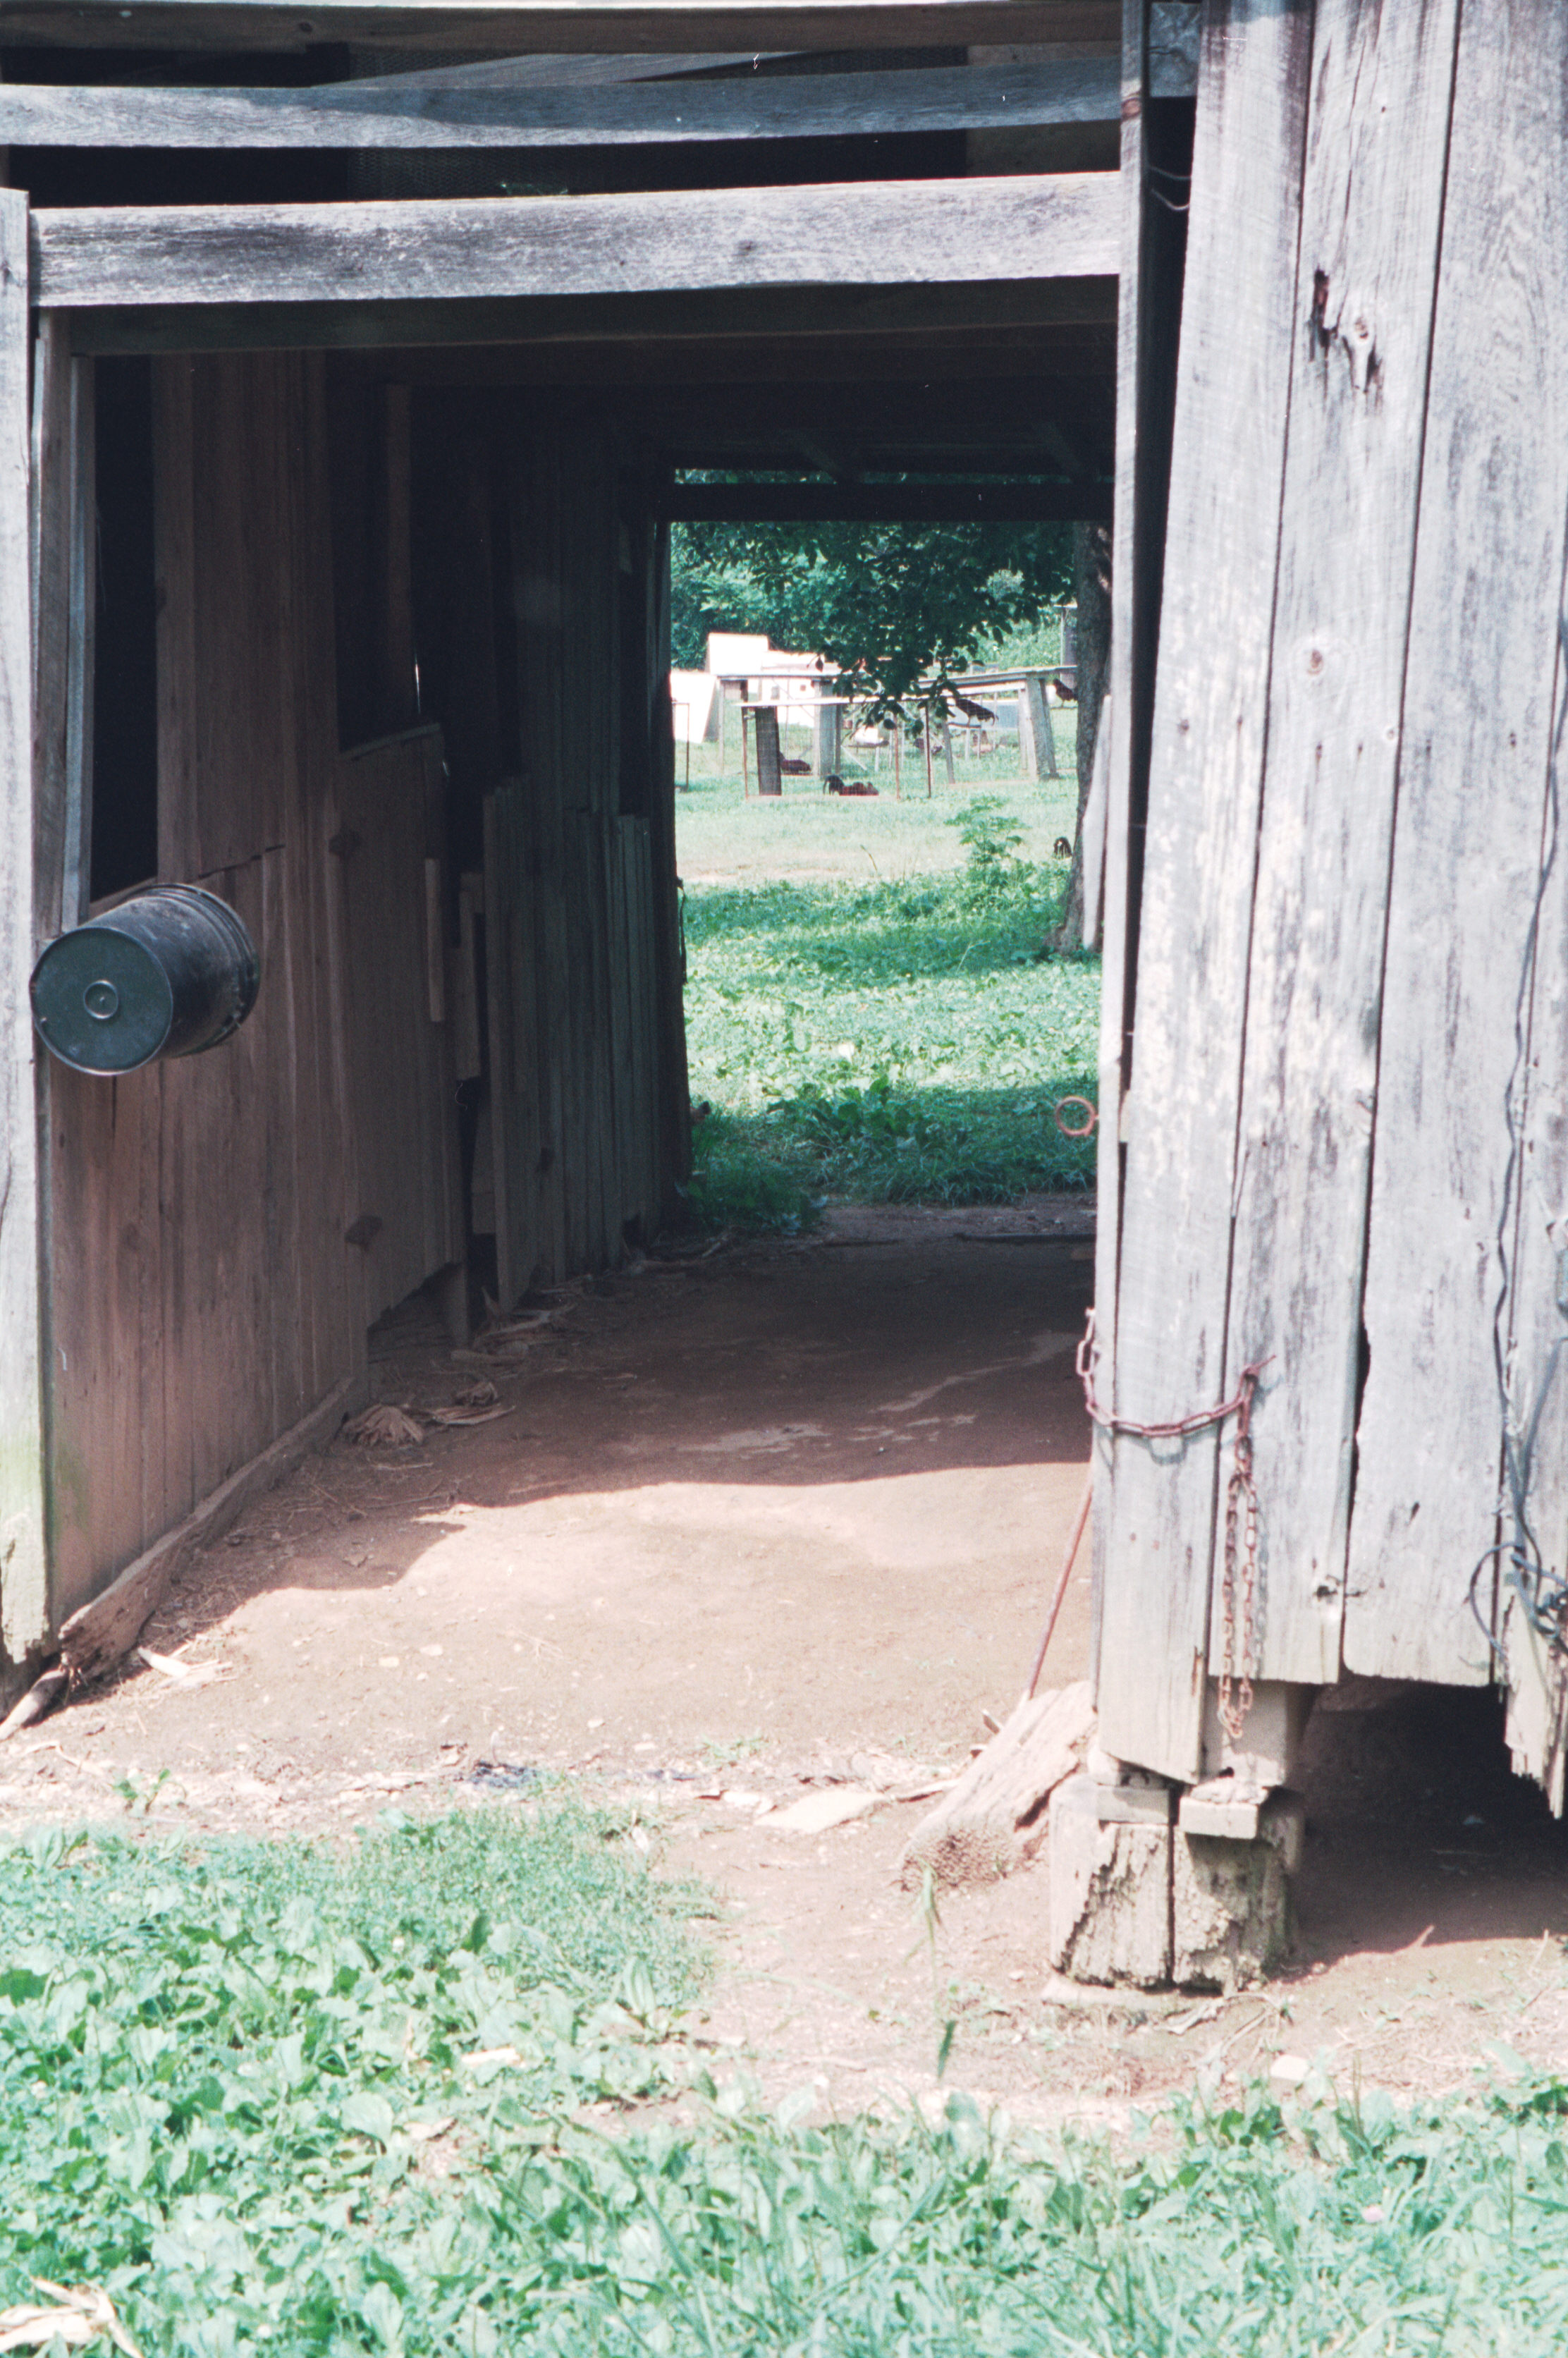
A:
(224, 2073)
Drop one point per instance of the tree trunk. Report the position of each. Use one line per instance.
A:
(1091, 570)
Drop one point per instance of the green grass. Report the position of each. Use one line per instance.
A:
(886, 1040)
(220, 2067)
(226, 2076)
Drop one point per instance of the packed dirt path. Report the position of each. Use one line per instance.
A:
(768, 1522)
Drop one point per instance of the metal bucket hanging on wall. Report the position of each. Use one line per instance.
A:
(165, 974)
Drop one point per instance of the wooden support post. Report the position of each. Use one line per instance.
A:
(1033, 701)
(770, 776)
(1028, 744)
(825, 730)
(23, 1561)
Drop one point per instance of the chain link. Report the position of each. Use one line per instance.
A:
(1240, 1518)
(1240, 1509)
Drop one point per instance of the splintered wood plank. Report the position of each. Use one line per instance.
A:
(1376, 155)
(1475, 776)
(23, 1574)
(1199, 858)
(865, 233)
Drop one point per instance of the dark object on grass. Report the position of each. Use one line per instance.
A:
(502, 1776)
(1060, 848)
(792, 768)
(838, 785)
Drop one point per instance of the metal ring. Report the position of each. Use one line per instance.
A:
(1065, 1128)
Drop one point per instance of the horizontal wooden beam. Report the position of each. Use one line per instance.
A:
(560, 73)
(834, 318)
(998, 503)
(859, 235)
(556, 26)
(346, 116)
(1082, 354)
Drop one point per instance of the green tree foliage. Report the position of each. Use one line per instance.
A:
(887, 606)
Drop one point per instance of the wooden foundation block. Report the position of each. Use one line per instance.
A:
(1110, 1892)
(1230, 1909)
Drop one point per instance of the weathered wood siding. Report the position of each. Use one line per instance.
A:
(1199, 847)
(222, 1229)
(203, 1297)
(1341, 990)
(578, 877)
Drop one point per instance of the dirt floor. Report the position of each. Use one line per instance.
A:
(760, 1523)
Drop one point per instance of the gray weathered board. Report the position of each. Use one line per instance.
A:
(1371, 213)
(556, 26)
(859, 234)
(525, 73)
(1155, 1536)
(1477, 791)
(351, 114)
(23, 1603)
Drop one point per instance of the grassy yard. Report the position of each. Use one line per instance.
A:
(395, 2100)
(867, 1012)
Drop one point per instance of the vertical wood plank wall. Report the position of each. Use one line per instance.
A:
(203, 1299)
(204, 1293)
(1349, 821)
(579, 876)
(1477, 770)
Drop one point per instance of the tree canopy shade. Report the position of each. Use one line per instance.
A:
(894, 608)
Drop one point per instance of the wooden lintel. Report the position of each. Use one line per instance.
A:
(101, 1633)
(345, 116)
(997, 502)
(554, 26)
(880, 234)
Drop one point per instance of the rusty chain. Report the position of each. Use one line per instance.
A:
(1241, 1516)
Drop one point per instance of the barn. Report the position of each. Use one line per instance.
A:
(352, 367)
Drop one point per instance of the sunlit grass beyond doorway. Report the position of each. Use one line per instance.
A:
(872, 1019)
